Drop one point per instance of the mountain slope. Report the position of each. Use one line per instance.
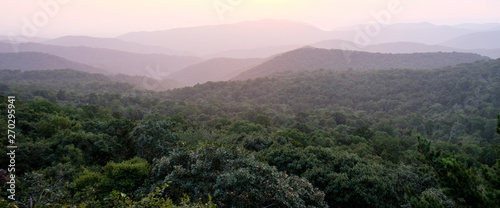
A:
(402, 47)
(480, 40)
(117, 62)
(27, 61)
(444, 89)
(218, 69)
(111, 43)
(309, 58)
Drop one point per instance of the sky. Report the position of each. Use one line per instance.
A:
(111, 18)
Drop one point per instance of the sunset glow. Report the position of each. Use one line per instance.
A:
(115, 17)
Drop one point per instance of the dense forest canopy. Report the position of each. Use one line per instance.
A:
(323, 138)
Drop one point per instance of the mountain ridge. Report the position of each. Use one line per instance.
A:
(310, 58)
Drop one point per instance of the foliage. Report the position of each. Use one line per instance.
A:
(299, 139)
(233, 178)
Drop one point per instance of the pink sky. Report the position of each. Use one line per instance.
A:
(109, 18)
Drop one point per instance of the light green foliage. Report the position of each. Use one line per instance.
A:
(124, 177)
(155, 199)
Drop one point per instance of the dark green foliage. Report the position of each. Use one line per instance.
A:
(246, 127)
(154, 138)
(461, 184)
(364, 132)
(306, 139)
(498, 125)
(346, 179)
(234, 178)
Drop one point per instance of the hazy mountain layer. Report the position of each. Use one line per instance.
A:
(481, 40)
(111, 43)
(218, 69)
(27, 61)
(113, 61)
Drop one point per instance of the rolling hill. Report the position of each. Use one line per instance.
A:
(309, 58)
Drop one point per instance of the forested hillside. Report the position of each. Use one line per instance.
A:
(24, 83)
(309, 58)
(318, 138)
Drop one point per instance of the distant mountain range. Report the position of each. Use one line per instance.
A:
(253, 49)
(479, 40)
(28, 61)
(213, 39)
(244, 35)
(309, 58)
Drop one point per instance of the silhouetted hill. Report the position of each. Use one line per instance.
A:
(27, 61)
(113, 61)
(218, 69)
(111, 43)
(309, 58)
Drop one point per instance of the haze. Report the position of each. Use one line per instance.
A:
(112, 18)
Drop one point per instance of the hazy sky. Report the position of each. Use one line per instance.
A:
(109, 18)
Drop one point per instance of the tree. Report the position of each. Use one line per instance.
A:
(346, 179)
(154, 138)
(459, 183)
(125, 177)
